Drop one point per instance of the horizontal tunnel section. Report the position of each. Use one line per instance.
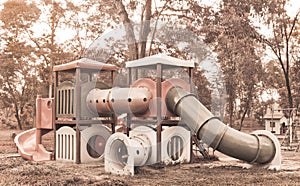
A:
(119, 100)
(140, 99)
(251, 148)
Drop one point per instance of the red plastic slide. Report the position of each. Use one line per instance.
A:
(28, 147)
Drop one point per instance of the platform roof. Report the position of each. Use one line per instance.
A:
(85, 63)
(165, 60)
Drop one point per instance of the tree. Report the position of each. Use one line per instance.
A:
(150, 36)
(230, 34)
(48, 49)
(17, 77)
(283, 40)
(295, 78)
(41, 49)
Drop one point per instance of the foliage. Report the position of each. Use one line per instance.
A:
(283, 42)
(236, 32)
(229, 32)
(17, 78)
(255, 42)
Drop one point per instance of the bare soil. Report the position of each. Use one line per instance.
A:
(225, 171)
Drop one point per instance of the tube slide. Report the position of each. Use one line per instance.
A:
(28, 147)
(260, 147)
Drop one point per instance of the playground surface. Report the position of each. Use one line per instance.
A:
(225, 171)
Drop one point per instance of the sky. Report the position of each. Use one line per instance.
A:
(65, 34)
(294, 6)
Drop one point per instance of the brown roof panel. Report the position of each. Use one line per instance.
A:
(85, 63)
(163, 59)
(274, 116)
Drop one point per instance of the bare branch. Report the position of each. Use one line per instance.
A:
(294, 24)
(155, 27)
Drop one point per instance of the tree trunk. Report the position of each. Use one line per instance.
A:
(247, 105)
(243, 118)
(288, 87)
(130, 37)
(230, 113)
(144, 29)
(230, 92)
(18, 117)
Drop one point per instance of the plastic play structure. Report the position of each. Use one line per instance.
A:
(164, 119)
(29, 142)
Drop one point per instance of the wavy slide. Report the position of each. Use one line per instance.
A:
(260, 147)
(29, 149)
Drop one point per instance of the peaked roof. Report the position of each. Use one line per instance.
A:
(275, 115)
(163, 59)
(85, 63)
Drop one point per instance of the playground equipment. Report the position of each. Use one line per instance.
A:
(29, 143)
(284, 121)
(80, 132)
(176, 99)
(259, 147)
(163, 116)
(123, 153)
(291, 139)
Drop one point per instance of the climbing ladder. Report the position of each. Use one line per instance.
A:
(297, 129)
(291, 139)
(200, 147)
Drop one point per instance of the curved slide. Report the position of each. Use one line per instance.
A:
(260, 147)
(29, 149)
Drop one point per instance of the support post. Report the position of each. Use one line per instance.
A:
(159, 117)
(113, 116)
(78, 114)
(129, 116)
(191, 79)
(54, 109)
(38, 133)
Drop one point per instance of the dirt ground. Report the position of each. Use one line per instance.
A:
(226, 171)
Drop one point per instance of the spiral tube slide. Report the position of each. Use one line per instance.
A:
(260, 147)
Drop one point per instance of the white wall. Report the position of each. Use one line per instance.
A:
(276, 129)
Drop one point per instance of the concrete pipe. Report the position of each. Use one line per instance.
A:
(118, 100)
(123, 153)
(176, 145)
(129, 100)
(261, 148)
(93, 140)
(97, 101)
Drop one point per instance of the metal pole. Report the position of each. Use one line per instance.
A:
(272, 120)
(291, 128)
